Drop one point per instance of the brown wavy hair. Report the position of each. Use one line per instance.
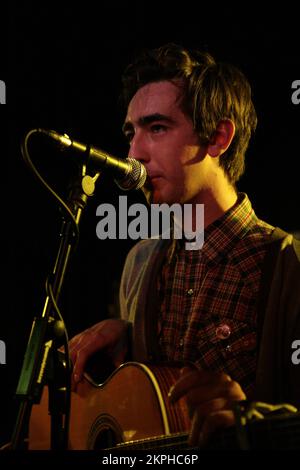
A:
(211, 91)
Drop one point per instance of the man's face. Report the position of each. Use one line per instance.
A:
(162, 137)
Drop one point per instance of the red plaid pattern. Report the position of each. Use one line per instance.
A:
(208, 297)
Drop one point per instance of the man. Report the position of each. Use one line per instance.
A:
(189, 121)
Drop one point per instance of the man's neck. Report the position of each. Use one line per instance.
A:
(215, 205)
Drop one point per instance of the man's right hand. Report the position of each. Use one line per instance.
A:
(109, 335)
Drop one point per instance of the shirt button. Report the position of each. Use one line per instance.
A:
(190, 292)
(223, 331)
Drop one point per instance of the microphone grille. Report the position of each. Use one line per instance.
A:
(135, 178)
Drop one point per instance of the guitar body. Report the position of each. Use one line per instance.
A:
(131, 404)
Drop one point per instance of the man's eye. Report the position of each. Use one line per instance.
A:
(129, 136)
(156, 128)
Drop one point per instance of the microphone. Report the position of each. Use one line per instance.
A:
(129, 173)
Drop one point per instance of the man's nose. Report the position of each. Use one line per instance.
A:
(138, 149)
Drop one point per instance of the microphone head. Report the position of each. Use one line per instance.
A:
(135, 178)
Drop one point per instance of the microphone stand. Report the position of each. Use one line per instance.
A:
(41, 363)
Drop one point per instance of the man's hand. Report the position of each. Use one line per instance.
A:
(110, 335)
(209, 396)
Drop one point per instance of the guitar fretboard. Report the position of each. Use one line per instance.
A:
(278, 432)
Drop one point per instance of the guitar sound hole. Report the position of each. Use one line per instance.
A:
(104, 433)
(105, 439)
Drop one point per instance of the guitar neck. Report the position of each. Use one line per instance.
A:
(280, 432)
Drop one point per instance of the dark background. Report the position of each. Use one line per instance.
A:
(62, 69)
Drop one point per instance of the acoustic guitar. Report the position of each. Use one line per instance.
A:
(131, 410)
(132, 404)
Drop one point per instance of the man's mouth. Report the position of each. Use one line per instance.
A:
(150, 180)
(154, 177)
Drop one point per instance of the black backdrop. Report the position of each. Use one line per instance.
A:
(63, 72)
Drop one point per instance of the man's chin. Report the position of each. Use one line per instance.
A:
(156, 197)
(148, 195)
(151, 196)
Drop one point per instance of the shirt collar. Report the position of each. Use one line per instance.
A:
(224, 233)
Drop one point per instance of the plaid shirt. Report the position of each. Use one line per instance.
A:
(208, 297)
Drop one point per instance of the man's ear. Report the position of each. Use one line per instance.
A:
(222, 138)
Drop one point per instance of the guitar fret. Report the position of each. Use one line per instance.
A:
(179, 439)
